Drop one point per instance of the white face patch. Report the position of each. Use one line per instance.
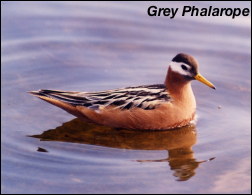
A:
(176, 67)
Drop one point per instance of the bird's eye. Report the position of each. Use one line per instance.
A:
(183, 67)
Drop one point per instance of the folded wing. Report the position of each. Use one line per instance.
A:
(146, 97)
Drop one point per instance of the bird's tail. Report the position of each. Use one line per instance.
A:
(61, 99)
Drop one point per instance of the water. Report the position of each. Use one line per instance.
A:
(90, 46)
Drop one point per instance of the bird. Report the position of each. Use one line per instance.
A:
(146, 107)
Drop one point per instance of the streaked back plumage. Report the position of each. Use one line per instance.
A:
(146, 97)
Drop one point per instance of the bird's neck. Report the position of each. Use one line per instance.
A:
(176, 84)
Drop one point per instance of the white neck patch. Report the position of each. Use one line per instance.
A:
(176, 67)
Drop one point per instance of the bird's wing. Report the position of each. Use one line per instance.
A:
(147, 97)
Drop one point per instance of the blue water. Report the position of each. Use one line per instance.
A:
(91, 46)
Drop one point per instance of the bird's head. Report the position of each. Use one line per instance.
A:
(187, 66)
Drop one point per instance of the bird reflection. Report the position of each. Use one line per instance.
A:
(177, 142)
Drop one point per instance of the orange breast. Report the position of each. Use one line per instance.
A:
(178, 112)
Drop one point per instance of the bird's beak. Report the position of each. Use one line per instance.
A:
(200, 78)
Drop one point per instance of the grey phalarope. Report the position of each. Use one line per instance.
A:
(147, 107)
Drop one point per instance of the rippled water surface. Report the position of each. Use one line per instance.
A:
(89, 46)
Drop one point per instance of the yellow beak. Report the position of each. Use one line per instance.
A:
(200, 78)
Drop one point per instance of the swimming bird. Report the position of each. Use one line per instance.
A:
(146, 107)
